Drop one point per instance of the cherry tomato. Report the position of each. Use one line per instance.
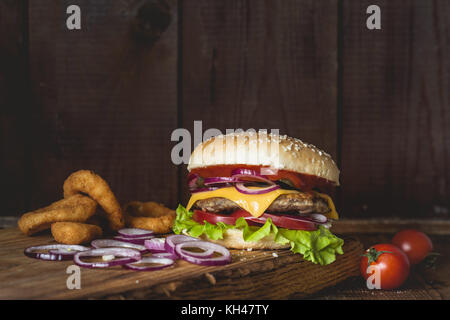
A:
(414, 243)
(391, 262)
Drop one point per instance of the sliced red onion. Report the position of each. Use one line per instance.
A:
(225, 257)
(139, 241)
(155, 244)
(69, 251)
(162, 263)
(240, 186)
(134, 233)
(219, 180)
(173, 240)
(192, 180)
(208, 253)
(56, 252)
(318, 218)
(127, 256)
(237, 176)
(110, 243)
(249, 175)
(313, 217)
(165, 255)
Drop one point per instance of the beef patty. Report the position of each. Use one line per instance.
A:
(287, 203)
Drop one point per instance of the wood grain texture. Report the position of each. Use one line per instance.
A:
(261, 64)
(251, 275)
(396, 137)
(106, 100)
(14, 108)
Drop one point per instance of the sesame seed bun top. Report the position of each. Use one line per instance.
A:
(262, 149)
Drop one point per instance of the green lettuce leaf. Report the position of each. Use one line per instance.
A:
(319, 246)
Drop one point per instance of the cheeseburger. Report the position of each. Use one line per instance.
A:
(253, 190)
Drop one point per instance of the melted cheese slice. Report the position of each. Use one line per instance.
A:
(256, 204)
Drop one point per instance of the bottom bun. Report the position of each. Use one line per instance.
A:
(233, 239)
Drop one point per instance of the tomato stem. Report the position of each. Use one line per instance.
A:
(372, 256)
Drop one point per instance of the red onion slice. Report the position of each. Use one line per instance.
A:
(173, 240)
(225, 257)
(219, 180)
(162, 263)
(318, 218)
(165, 255)
(110, 243)
(134, 233)
(56, 252)
(313, 217)
(127, 256)
(155, 244)
(250, 175)
(192, 180)
(240, 186)
(205, 253)
(139, 241)
(69, 251)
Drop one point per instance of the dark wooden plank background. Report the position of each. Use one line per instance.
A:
(107, 97)
(15, 108)
(261, 64)
(105, 100)
(396, 110)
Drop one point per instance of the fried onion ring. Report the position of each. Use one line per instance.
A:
(77, 208)
(74, 232)
(88, 182)
(150, 216)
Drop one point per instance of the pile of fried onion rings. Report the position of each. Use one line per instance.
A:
(73, 220)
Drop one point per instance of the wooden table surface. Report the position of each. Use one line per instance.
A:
(258, 274)
(422, 284)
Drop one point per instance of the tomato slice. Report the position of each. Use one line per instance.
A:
(242, 213)
(282, 221)
(213, 218)
(290, 222)
(251, 220)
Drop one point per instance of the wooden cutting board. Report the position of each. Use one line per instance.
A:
(267, 274)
